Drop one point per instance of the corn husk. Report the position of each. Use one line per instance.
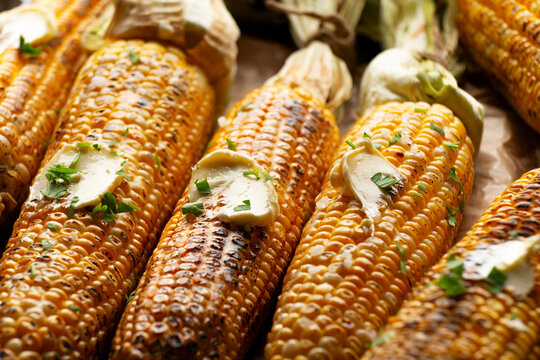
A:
(317, 69)
(204, 29)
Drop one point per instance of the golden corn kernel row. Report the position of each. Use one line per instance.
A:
(478, 324)
(345, 279)
(209, 283)
(32, 93)
(62, 290)
(503, 37)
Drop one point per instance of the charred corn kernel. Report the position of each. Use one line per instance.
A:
(479, 324)
(209, 283)
(502, 37)
(348, 274)
(32, 93)
(64, 278)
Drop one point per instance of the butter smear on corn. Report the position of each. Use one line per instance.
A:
(95, 173)
(242, 189)
(354, 174)
(512, 258)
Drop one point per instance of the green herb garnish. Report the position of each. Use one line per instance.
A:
(253, 172)
(383, 182)
(125, 132)
(194, 208)
(110, 207)
(420, 110)
(230, 144)
(453, 176)
(349, 142)
(83, 145)
(96, 146)
(32, 270)
(75, 309)
(202, 186)
(45, 244)
(133, 56)
(452, 219)
(130, 297)
(496, 280)
(516, 233)
(452, 145)
(380, 338)
(366, 135)
(28, 50)
(422, 187)
(268, 177)
(417, 194)
(403, 254)
(52, 227)
(123, 173)
(158, 163)
(112, 142)
(245, 206)
(395, 139)
(437, 128)
(451, 283)
(71, 209)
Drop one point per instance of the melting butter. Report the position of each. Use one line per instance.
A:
(35, 23)
(96, 174)
(224, 171)
(353, 174)
(511, 258)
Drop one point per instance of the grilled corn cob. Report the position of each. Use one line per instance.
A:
(349, 273)
(65, 274)
(502, 37)
(479, 324)
(209, 282)
(32, 92)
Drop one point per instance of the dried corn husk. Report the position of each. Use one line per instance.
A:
(317, 69)
(204, 29)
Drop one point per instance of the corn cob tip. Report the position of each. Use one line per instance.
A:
(317, 69)
(400, 75)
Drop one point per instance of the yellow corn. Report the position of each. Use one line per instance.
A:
(502, 36)
(62, 289)
(478, 324)
(209, 283)
(32, 92)
(347, 275)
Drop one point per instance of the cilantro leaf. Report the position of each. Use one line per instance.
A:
(203, 187)
(75, 309)
(71, 209)
(496, 280)
(243, 207)
(123, 173)
(28, 50)
(46, 244)
(452, 285)
(383, 182)
(437, 128)
(194, 208)
(420, 110)
(452, 219)
(125, 132)
(349, 142)
(366, 135)
(130, 297)
(230, 144)
(158, 163)
(32, 270)
(516, 233)
(52, 227)
(268, 177)
(380, 338)
(83, 145)
(395, 139)
(422, 187)
(253, 172)
(402, 262)
(133, 56)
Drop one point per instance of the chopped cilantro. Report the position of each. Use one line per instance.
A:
(307, 215)
(437, 128)
(58, 176)
(71, 209)
(453, 176)
(230, 144)
(380, 338)
(75, 309)
(32, 270)
(420, 110)
(130, 297)
(194, 208)
(451, 282)
(109, 207)
(123, 173)
(125, 132)
(395, 139)
(348, 142)
(452, 145)
(514, 315)
(377, 146)
(417, 194)
(202, 186)
(422, 187)
(268, 177)
(133, 56)
(253, 172)
(52, 227)
(58, 111)
(243, 207)
(452, 220)
(55, 190)
(75, 161)
(383, 182)
(158, 163)
(366, 135)
(45, 244)
(96, 146)
(112, 142)
(83, 145)
(403, 254)
(210, 143)
(496, 280)
(516, 233)
(28, 50)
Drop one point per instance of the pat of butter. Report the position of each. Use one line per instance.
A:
(353, 174)
(96, 174)
(35, 23)
(224, 171)
(511, 258)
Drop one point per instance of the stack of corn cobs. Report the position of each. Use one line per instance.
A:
(137, 235)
